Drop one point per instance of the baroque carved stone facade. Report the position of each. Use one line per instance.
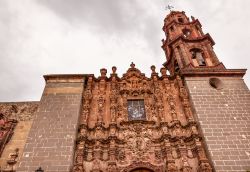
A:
(192, 117)
(167, 139)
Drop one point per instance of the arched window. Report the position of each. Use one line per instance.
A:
(197, 54)
(176, 66)
(186, 32)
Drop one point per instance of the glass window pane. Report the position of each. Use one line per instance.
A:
(136, 110)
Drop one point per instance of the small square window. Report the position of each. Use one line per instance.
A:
(136, 110)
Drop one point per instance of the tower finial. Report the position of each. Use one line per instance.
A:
(169, 7)
(132, 65)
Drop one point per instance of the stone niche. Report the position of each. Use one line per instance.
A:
(137, 122)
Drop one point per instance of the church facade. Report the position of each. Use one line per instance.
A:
(193, 116)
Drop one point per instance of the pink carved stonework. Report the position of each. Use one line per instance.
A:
(109, 139)
(7, 127)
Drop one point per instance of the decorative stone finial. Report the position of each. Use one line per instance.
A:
(153, 68)
(103, 72)
(163, 71)
(114, 69)
(132, 65)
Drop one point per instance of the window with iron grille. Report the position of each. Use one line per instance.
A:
(136, 110)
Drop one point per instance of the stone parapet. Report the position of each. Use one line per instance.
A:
(51, 140)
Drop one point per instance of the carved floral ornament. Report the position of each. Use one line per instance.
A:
(166, 139)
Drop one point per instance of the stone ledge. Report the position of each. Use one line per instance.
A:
(213, 72)
(65, 77)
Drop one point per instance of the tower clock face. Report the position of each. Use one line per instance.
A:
(136, 110)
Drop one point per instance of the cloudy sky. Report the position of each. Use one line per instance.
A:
(81, 36)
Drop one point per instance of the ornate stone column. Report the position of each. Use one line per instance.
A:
(204, 165)
(171, 167)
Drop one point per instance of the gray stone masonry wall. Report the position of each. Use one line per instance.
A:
(224, 118)
(50, 143)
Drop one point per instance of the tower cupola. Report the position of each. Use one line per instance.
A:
(186, 46)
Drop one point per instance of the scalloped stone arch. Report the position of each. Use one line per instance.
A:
(141, 170)
(143, 165)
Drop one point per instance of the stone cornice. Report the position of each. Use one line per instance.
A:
(199, 39)
(196, 72)
(66, 77)
(177, 23)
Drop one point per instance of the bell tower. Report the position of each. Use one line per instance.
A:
(186, 46)
(218, 96)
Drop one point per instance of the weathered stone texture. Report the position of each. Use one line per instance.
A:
(17, 142)
(50, 143)
(20, 111)
(224, 117)
(23, 113)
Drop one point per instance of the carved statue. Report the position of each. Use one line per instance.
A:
(121, 155)
(158, 154)
(112, 167)
(172, 167)
(96, 166)
(101, 102)
(11, 161)
(205, 167)
(194, 130)
(113, 101)
(186, 167)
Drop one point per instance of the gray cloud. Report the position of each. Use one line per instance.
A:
(112, 17)
(60, 36)
(105, 16)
